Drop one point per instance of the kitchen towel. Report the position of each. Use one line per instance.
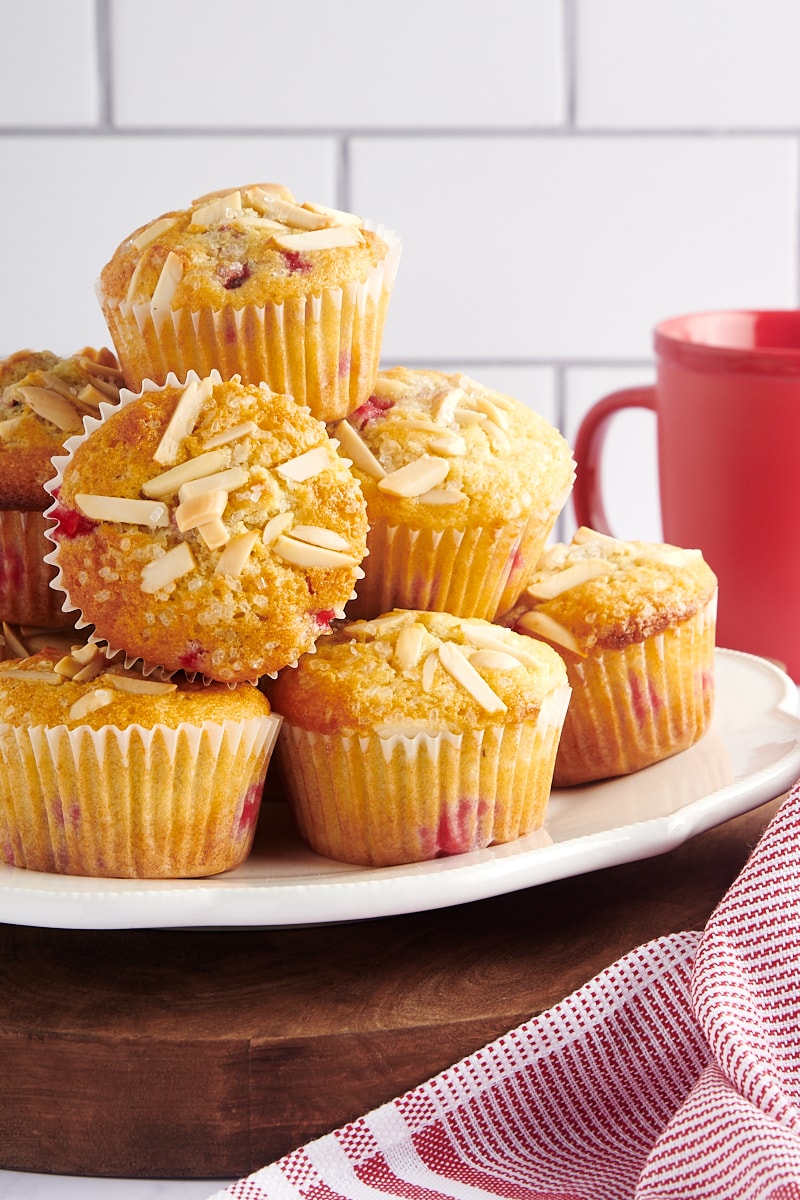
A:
(672, 1075)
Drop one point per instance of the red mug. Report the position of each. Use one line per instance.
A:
(727, 405)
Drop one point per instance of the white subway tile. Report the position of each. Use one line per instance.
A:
(629, 471)
(403, 63)
(688, 64)
(565, 248)
(97, 190)
(50, 71)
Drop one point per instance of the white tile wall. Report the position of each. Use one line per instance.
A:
(563, 173)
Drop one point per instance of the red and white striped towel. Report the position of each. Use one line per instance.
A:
(673, 1074)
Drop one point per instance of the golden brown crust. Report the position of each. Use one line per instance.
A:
(224, 623)
(235, 259)
(35, 701)
(615, 593)
(365, 676)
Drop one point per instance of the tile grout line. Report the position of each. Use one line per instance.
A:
(104, 66)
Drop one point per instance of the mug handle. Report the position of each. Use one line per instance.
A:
(587, 495)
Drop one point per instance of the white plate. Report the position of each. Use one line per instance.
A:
(750, 755)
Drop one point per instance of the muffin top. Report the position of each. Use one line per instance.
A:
(410, 671)
(432, 449)
(208, 527)
(601, 593)
(43, 399)
(83, 688)
(240, 246)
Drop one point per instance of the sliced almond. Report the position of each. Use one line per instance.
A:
(248, 221)
(320, 239)
(544, 626)
(227, 481)
(289, 213)
(90, 702)
(468, 416)
(7, 428)
(493, 639)
(52, 406)
(183, 419)
(584, 534)
(460, 669)
(152, 513)
(429, 670)
(236, 553)
(152, 232)
(98, 366)
(444, 402)
(92, 397)
(336, 214)
(165, 570)
(377, 627)
(34, 674)
(496, 434)
(387, 388)
(317, 535)
(86, 653)
(493, 411)
(451, 445)
(54, 383)
(230, 435)
(133, 282)
(222, 208)
(168, 280)
(202, 466)
(495, 660)
(90, 671)
(442, 496)
(358, 451)
(408, 422)
(304, 554)
(562, 581)
(275, 526)
(408, 649)
(139, 686)
(215, 534)
(305, 466)
(416, 477)
(199, 510)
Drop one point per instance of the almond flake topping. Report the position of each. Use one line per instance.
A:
(202, 466)
(227, 481)
(168, 280)
(236, 553)
(166, 569)
(452, 445)
(152, 232)
(416, 477)
(138, 685)
(214, 534)
(409, 645)
(230, 435)
(117, 508)
(305, 466)
(495, 660)
(92, 397)
(442, 496)
(387, 388)
(544, 626)
(35, 674)
(468, 416)
(52, 406)
(358, 451)
(460, 669)
(183, 419)
(562, 581)
(320, 239)
(493, 639)
(316, 535)
(275, 526)
(337, 215)
(84, 705)
(445, 402)
(199, 510)
(584, 534)
(222, 208)
(248, 221)
(305, 554)
(286, 211)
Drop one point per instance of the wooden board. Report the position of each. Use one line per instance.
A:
(199, 1054)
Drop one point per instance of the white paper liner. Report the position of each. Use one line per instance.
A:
(469, 572)
(26, 597)
(324, 349)
(384, 799)
(640, 704)
(133, 803)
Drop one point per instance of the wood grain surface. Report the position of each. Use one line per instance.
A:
(207, 1054)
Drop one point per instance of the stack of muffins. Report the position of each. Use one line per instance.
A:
(260, 539)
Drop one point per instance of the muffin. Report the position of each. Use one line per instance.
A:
(106, 773)
(250, 281)
(21, 641)
(463, 486)
(418, 734)
(208, 526)
(635, 623)
(43, 399)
